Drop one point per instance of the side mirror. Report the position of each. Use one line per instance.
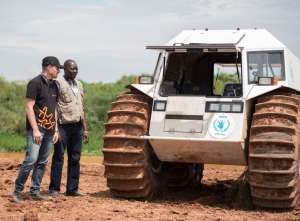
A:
(265, 81)
(145, 79)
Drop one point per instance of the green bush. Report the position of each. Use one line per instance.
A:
(98, 97)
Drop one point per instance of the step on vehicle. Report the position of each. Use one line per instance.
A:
(216, 97)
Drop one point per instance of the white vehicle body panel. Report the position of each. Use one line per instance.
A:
(147, 89)
(248, 39)
(208, 37)
(245, 41)
(292, 70)
(188, 150)
(192, 140)
(185, 142)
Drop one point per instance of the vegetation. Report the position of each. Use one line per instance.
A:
(224, 78)
(98, 97)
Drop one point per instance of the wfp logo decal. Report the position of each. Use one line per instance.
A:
(221, 126)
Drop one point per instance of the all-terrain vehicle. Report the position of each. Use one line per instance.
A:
(216, 97)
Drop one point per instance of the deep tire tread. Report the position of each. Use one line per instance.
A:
(273, 151)
(125, 152)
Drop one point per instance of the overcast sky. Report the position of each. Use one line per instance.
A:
(107, 37)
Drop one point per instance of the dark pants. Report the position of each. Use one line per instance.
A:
(71, 138)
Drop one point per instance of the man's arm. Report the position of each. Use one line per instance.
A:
(85, 126)
(56, 132)
(84, 120)
(29, 103)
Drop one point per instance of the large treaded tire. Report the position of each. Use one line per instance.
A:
(127, 157)
(274, 151)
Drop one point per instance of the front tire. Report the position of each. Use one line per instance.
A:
(128, 157)
(274, 151)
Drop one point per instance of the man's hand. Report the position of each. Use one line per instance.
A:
(55, 137)
(85, 137)
(37, 136)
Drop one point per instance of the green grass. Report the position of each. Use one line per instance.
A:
(12, 142)
(98, 98)
(95, 144)
(17, 143)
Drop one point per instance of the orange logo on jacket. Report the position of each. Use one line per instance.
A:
(46, 120)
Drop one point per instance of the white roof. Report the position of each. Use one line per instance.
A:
(248, 38)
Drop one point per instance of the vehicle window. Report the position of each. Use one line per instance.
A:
(265, 64)
(227, 79)
(196, 73)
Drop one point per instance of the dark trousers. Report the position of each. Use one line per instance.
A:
(71, 138)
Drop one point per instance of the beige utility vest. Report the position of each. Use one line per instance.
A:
(70, 105)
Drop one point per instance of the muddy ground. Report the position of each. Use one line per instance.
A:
(217, 200)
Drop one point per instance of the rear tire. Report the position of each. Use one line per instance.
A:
(179, 176)
(274, 151)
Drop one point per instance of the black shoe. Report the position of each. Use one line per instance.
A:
(38, 196)
(17, 198)
(74, 194)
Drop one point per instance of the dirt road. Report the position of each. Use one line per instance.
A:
(217, 200)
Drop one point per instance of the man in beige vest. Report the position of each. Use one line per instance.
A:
(72, 130)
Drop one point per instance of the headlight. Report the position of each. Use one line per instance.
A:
(159, 105)
(214, 107)
(145, 79)
(225, 107)
(237, 107)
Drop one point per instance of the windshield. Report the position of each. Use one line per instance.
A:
(265, 64)
(227, 79)
(204, 74)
